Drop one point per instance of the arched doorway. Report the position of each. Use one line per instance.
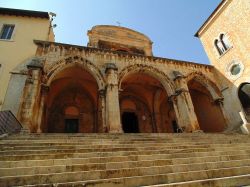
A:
(71, 104)
(72, 116)
(208, 112)
(144, 105)
(244, 96)
(130, 122)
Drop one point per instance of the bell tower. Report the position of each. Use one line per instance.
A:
(226, 40)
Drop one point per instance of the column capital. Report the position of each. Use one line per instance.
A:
(178, 75)
(35, 63)
(110, 66)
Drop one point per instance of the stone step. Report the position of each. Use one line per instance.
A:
(122, 177)
(123, 159)
(119, 149)
(100, 143)
(111, 143)
(232, 181)
(134, 137)
(171, 154)
(182, 137)
(131, 138)
(94, 148)
(122, 135)
(122, 165)
(87, 150)
(156, 158)
(245, 137)
(16, 147)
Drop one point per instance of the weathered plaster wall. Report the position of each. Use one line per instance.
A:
(14, 93)
(21, 46)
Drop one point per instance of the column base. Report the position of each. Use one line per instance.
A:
(198, 131)
(24, 131)
(245, 128)
(116, 131)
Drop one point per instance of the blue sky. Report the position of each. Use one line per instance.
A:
(170, 24)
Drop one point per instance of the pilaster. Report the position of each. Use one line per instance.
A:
(102, 127)
(29, 110)
(44, 93)
(112, 100)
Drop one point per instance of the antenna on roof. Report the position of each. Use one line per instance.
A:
(52, 16)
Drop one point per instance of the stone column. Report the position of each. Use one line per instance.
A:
(44, 93)
(102, 127)
(112, 100)
(29, 108)
(183, 105)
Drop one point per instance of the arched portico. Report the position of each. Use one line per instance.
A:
(207, 101)
(155, 73)
(71, 104)
(72, 83)
(144, 93)
(74, 61)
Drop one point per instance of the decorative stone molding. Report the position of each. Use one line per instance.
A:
(35, 63)
(109, 66)
(206, 82)
(150, 70)
(71, 61)
(177, 75)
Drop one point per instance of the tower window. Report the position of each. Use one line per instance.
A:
(222, 44)
(6, 32)
(225, 42)
(219, 47)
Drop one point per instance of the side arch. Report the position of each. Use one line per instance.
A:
(73, 62)
(207, 101)
(207, 83)
(149, 70)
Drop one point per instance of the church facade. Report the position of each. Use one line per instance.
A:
(116, 85)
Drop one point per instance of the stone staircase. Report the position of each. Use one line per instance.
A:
(120, 160)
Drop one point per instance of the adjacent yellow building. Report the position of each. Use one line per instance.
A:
(18, 29)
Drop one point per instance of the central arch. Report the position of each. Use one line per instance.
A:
(144, 103)
(71, 105)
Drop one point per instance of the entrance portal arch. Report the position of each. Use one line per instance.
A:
(71, 103)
